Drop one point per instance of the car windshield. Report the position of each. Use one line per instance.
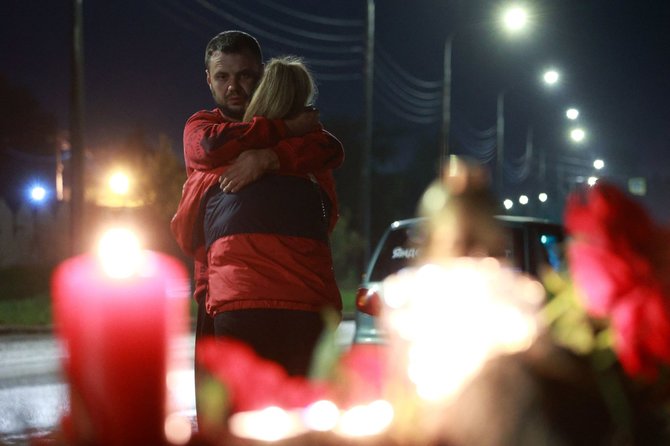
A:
(400, 248)
(542, 244)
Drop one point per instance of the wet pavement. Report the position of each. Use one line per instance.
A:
(33, 395)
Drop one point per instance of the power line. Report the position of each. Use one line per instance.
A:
(407, 116)
(345, 37)
(438, 84)
(341, 49)
(430, 99)
(311, 17)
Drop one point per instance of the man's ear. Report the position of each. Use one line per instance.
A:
(209, 80)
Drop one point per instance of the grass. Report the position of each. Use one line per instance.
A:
(29, 311)
(24, 301)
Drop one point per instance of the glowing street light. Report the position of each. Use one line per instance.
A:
(542, 197)
(572, 113)
(599, 164)
(508, 204)
(523, 200)
(119, 183)
(515, 18)
(577, 134)
(551, 77)
(592, 181)
(38, 193)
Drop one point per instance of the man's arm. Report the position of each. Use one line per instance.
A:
(210, 141)
(310, 153)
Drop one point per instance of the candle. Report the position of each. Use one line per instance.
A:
(117, 327)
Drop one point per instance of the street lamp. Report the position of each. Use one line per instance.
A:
(37, 193)
(514, 18)
(551, 77)
(572, 113)
(577, 134)
(119, 183)
(599, 164)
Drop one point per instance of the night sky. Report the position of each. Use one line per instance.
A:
(144, 70)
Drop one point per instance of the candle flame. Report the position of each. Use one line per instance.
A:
(120, 253)
(447, 320)
(321, 415)
(270, 424)
(366, 419)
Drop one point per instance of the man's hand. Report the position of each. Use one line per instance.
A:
(247, 168)
(305, 122)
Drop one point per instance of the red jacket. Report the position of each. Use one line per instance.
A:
(267, 267)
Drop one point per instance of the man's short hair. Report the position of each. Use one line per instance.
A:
(233, 42)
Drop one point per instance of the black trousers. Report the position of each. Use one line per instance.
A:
(287, 337)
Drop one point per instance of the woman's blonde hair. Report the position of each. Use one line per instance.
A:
(284, 91)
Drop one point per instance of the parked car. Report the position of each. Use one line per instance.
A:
(530, 243)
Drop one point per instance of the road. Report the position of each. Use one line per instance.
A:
(33, 395)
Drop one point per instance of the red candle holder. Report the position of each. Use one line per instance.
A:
(117, 333)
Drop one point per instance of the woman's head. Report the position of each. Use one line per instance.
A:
(284, 91)
(460, 210)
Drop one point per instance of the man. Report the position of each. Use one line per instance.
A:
(250, 268)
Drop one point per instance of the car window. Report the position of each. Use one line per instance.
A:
(399, 248)
(526, 247)
(550, 240)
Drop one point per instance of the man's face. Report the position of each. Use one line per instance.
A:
(232, 79)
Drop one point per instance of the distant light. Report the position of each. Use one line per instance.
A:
(508, 204)
(119, 183)
(515, 18)
(366, 420)
(550, 77)
(572, 113)
(321, 416)
(577, 135)
(38, 193)
(270, 424)
(523, 199)
(592, 181)
(542, 197)
(177, 429)
(599, 164)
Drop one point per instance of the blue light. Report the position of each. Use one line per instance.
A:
(38, 193)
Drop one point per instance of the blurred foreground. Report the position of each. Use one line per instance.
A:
(33, 395)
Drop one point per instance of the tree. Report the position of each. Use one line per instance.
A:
(27, 140)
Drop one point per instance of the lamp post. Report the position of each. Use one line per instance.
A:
(514, 19)
(366, 187)
(446, 102)
(77, 130)
(551, 78)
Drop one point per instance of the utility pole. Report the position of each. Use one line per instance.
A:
(446, 104)
(366, 159)
(500, 133)
(76, 130)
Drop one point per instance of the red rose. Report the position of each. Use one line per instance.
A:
(255, 383)
(619, 258)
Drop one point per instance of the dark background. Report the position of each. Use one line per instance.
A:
(144, 74)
